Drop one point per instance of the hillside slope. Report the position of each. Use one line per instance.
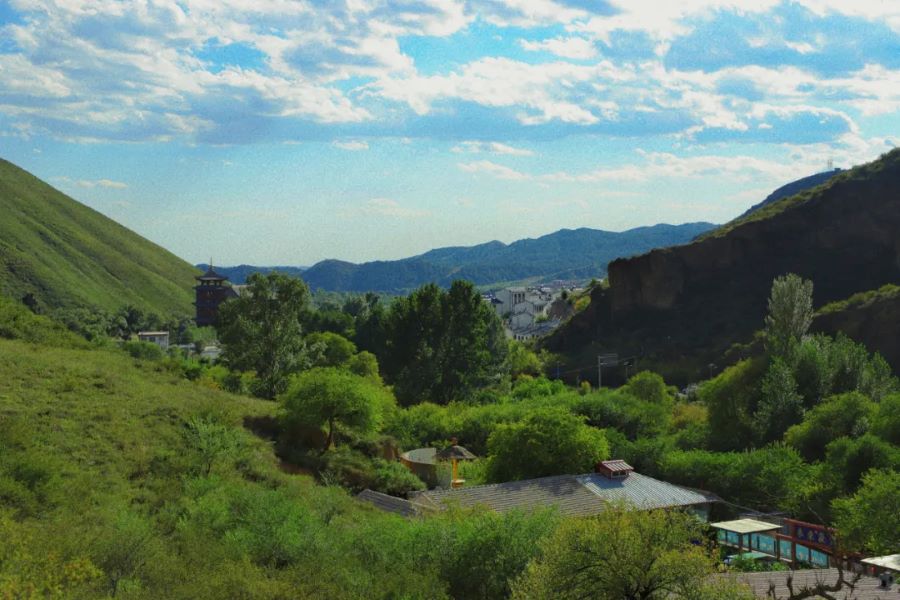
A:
(67, 254)
(871, 318)
(686, 305)
(566, 254)
(793, 188)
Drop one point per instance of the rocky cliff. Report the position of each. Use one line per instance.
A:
(689, 303)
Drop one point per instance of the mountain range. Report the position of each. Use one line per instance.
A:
(566, 254)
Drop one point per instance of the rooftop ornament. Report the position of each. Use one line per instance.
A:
(454, 453)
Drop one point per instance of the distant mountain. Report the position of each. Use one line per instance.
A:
(240, 273)
(681, 308)
(67, 254)
(566, 254)
(792, 188)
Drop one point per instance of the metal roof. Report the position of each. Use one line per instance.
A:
(745, 526)
(454, 451)
(572, 495)
(891, 562)
(388, 503)
(617, 466)
(867, 588)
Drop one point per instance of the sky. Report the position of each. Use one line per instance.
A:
(284, 132)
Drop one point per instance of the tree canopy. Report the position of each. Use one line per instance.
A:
(546, 442)
(625, 555)
(334, 399)
(261, 331)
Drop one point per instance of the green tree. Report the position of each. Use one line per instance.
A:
(649, 387)
(886, 423)
(625, 555)
(335, 400)
(869, 521)
(849, 459)
(328, 349)
(441, 345)
(260, 331)
(838, 416)
(547, 442)
(780, 406)
(790, 314)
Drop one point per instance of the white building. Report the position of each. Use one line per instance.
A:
(160, 338)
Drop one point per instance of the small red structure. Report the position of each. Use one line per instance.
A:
(613, 469)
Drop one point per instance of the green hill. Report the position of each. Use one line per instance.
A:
(68, 255)
(565, 254)
(682, 308)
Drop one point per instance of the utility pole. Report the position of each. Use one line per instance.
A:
(599, 372)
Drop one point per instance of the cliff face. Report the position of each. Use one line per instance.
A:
(845, 237)
(697, 299)
(875, 323)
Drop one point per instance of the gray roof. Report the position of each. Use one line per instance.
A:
(388, 503)
(865, 589)
(572, 495)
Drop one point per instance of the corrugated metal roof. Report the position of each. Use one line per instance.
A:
(891, 562)
(643, 492)
(572, 495)
(389, 503)
(746, 526)
(867, 588)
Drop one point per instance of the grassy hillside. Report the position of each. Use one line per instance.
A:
(67, 254)
(119, 478)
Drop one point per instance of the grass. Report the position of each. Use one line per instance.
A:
(861, 172)
(68, 255)
(885, 292)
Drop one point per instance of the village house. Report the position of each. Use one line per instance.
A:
(160, 338)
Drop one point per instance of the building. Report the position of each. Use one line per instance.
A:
(574, 495)
(211, 291)
(160, 338)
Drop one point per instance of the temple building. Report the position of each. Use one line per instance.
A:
(211, 290)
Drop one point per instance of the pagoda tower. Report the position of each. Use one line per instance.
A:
(211, 291)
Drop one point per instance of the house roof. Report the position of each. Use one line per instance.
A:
(745, 526)
(572, 495)
(867, 588)
(390, 504)
(211, 275)
(457, 452)
(891, 562)
(157, 333)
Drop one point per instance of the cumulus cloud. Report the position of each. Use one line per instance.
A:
(571, 47)
(233, 71)
(476, 147)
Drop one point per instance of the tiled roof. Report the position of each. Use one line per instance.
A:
(388, 503)
(867, 588)
(572, 495)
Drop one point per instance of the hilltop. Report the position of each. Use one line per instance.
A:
(68, 255)
(566, 254)
(689, 304)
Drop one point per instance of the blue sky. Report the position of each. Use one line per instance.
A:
(289, 131)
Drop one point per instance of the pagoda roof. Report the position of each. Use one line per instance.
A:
(211, 275)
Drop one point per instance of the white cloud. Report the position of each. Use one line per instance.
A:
(492, 169)
(93, 183)
(475, 147)
(572, 47)
(351, 145)
(543, 91)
